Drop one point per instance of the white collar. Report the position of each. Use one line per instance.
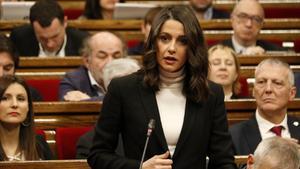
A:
(240, 49)
(60, 53)
(265, 125)
(94, 82)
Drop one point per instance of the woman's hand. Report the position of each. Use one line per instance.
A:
(159, 162)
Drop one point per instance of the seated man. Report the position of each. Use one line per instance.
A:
(86, 82)
(48, 34)
(273, 89)
(204, 10)
(9, 61)
(275, 153)
(145, 28)
(116, 68)
(247, 20)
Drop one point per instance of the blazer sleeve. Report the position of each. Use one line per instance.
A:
(84, 144)
(102, 154)
(220, 146)
(43, 148)
(65, 85)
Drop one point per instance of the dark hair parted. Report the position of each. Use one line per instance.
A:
(7, 46)
(45, 11)
(93, 9)
(195, 85)
(27, 142)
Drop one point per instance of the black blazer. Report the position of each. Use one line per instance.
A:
(27, 45)
(267, 46)
(246, 135)
(218, 14)
(127, 108)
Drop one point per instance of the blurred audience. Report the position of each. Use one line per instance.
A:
(117, 68)
(114, 69)
(48, 34)
(275, 153)
(145, 28)
(99, 9)
(273, 89)
(224, 70)
(9, 61)
(86, 82)
(247, 20)
(204, 10)
(17, 133)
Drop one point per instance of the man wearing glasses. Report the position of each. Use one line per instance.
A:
(247, 19)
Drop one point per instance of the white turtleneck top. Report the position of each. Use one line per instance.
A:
(171, 105)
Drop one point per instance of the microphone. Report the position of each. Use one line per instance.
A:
(151, 126)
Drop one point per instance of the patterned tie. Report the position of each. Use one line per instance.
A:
(277, 130)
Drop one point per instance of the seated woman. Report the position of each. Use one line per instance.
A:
(99, 9)
(224, 70)
(18, 140)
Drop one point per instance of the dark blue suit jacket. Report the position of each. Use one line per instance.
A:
(127, 108)
(78, 80)
(218, 14)
(246, 135)
(27, 45)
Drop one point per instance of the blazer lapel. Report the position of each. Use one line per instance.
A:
(252, 134)
(190, 110)
(294, 127)
(149, 103)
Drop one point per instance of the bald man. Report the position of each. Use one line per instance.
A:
(247, 20)
(86, 82)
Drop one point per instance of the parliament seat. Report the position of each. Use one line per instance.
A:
(66, 139)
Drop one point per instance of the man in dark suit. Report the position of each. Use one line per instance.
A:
(86, 82)
(204, 10)
(48, 34)
(247, 20)
(273, 89)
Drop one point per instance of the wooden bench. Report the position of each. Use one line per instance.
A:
(30, 66)
(67, 164)
(51, 115)
(135, 25)
(45, 164)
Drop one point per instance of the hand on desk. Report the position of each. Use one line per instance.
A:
(76, 96)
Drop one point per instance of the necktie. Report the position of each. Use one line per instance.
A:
(277, 130)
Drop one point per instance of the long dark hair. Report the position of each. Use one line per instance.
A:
(196, 68)
(93, 9)
(27, 137)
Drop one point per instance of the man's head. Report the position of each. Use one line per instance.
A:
(201, 5)
(275, 153)
(100, 49)
(49, 24)
(273, 88)
(9, 58)
(148, 19)
(247, 20)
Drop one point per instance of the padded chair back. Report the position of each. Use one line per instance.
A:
(66, 139)
(48, 88)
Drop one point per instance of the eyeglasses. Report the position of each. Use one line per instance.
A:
(243, 17)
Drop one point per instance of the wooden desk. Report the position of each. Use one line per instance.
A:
(67, 164)
(45, 164)
(50, 115)
(135, 25)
